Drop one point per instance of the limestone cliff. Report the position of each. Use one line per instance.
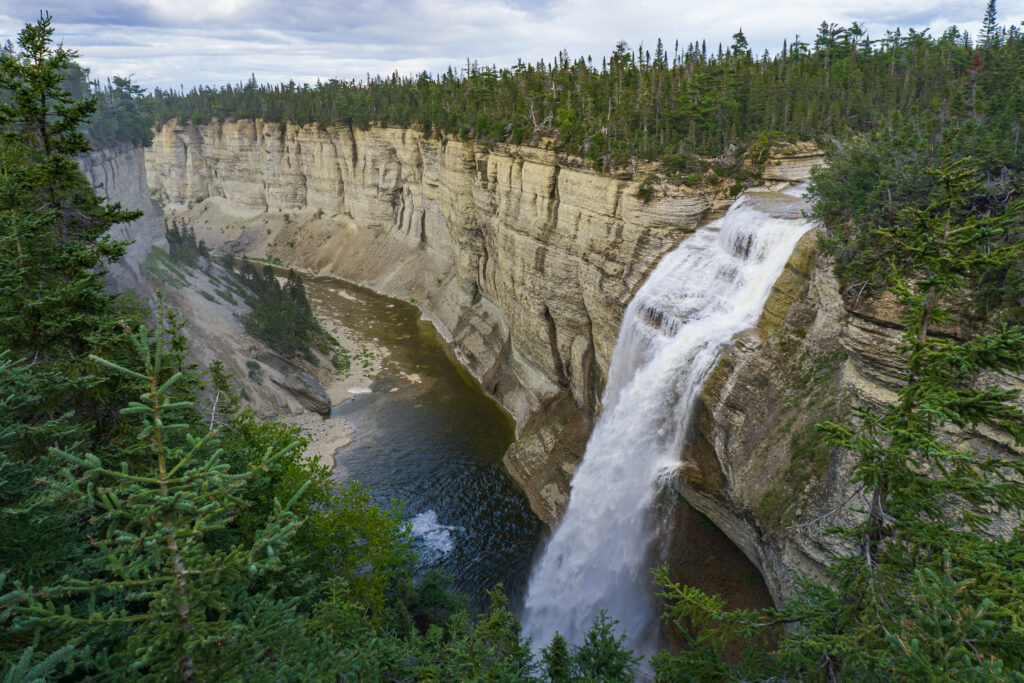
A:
(119, 174)
(756, 465)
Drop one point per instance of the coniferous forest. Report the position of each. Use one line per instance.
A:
(669, 103)
(151, 528)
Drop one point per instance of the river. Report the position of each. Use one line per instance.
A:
(427, 437)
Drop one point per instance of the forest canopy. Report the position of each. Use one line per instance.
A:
(654, 102)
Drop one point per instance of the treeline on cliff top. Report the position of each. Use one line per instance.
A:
(662, 102)
(885, 108)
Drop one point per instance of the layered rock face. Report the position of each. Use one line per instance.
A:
(523, 262)
(213, 325)
(756, 465)
(523, 259)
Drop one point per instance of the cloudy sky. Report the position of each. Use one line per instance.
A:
(168, 43)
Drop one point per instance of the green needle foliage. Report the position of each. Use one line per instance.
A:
(935, 581)
(52, 225)
(280, 316)
(160, 567)
(603, 656)
(672, 104)
(556, 659)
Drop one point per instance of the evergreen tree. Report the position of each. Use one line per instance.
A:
(163, 567)
(636, 107)
(280, 316)
(557, 660)
(989, 26)
(115, 561)
(603, 656)
(739, 47)
(920, 607)
(53, 227)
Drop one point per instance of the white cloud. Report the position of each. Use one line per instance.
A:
(170, 42)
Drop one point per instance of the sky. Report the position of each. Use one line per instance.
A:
(175, 43)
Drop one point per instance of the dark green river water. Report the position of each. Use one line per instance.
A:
(434, 445)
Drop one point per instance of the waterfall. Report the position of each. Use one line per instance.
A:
(700, 295)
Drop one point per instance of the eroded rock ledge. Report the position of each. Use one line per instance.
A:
(756, 465)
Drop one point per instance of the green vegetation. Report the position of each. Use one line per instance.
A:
(183, 247)
(161, 268)
(928, 206)
(673, 105)
(872, 183)
(342, 361)
(123, 113)
(280, 316)
(931, 590)
(150, 532)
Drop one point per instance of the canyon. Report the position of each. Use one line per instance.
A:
(525, 259)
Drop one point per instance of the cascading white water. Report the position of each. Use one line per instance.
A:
(711, 287)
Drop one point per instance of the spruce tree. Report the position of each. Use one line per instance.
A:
(603, 655)
(989, 26)
(919, 597)
(53, 227)
(167, 571)
(557, 661)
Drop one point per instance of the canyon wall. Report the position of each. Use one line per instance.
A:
(212, 323)
(525, 260)
(119, 174)
(522, 258)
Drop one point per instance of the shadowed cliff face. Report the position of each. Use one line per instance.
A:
(756, 465)
(119, 174)
(213, 327)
